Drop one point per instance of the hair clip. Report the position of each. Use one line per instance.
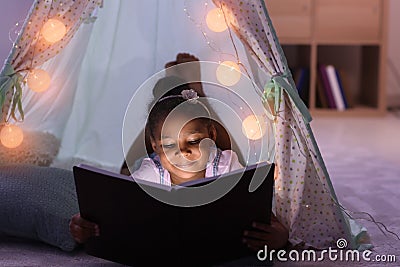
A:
(189, 94)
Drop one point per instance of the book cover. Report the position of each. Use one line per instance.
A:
(342, 90)
(296, 72)
(334, 84)
(137, 217)
(326, 86)
(303, 84)
(322, 101)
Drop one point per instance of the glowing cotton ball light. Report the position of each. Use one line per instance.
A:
(38, 80)
(228, 73)
(11, 136)
(254, 127)
(53, 30)
(216, 21)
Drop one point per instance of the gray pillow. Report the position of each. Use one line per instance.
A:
(38, 203)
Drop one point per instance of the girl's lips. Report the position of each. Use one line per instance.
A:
(184, 166)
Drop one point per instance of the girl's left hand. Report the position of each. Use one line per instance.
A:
(274, 235)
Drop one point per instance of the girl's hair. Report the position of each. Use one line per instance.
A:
(172, 100)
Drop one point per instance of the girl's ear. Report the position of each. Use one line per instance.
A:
(153, 143)
(213, 132)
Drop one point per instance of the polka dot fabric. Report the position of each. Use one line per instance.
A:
(247, 19)
(32, 49)
(305, 199)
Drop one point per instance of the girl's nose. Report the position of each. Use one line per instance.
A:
(184, 151)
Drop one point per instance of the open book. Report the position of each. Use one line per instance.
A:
(200, 222)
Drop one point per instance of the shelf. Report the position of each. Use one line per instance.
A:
(348, 19)
(298, 58)
(297, 55)
(350, 35)
(346, 42)
(358, 67)
(351, 112)
(287, 13)
(294, 41)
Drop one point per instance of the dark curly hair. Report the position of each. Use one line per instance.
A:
(161, 106)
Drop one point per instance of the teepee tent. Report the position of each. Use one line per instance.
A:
(98, 63)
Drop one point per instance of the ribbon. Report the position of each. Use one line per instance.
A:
(273, 90)
(9, 79)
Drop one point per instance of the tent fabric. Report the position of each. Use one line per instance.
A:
(46, 113)
(305, 199)
(125, 49)
(31, 49)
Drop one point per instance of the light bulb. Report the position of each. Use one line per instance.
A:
(38, 80)
(254, 127)
(11, 136)
(216, 21)
(53, 30)
(228, 73)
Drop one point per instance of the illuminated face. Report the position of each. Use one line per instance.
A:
(184, 147)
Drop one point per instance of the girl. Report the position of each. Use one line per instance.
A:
(182, 136)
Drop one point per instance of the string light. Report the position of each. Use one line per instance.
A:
(228, 73)
(11, 136)
(201, 26)
(254, 127)
(53, 30)
(38, 80)
(14, 32)
(216, 20)
(224, 17)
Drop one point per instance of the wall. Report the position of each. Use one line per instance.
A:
(11, 12)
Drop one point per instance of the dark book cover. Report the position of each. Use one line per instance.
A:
(342, 90)
(303, 85)
(138, 229)
(322, 100)
(327, 86)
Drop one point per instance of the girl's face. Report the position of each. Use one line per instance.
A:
(183, 146)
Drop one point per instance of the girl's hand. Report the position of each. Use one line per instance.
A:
(274, 235)
(81, 229)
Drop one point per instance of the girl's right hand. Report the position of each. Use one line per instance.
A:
(81, 229)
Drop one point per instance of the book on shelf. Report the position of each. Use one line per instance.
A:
(304, 85)
(302, 81)
(344, 89)
(331, 92)
(322, 101)
(326, 86)
(334, 86)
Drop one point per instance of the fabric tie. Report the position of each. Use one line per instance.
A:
(273, 89)
(10, 79)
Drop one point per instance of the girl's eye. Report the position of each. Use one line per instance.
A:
(168, 145)
(194, 142)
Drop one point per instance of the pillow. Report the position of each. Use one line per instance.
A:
(38, 203)
(37, 148)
